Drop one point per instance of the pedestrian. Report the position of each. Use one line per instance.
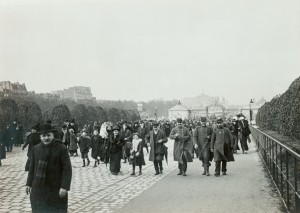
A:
(73, 143)
(19, 134)
(137, 154)
(6, 137)
(156, 140)
(142, 134)
(50, 174)
(202, 137)
(183, 146)
(63, 135)
(221, 146)
(13, 134)
(104, 154)
(127, 135)
(32, 140)
(84, 146)
(116, 143)
(96, 142)
(234, 130)
(244, 133)
(2, 150)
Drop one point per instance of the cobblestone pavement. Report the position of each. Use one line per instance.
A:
(92, 189)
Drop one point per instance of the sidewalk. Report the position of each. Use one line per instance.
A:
(245, 189)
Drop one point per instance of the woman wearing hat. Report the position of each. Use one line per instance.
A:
(137, 155)
(116, 142)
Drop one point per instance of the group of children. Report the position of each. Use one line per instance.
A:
(99, 145)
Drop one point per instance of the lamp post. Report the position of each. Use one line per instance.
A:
(250, 109)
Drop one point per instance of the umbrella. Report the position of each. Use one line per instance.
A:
(166, 153)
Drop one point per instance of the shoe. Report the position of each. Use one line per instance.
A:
(88, 163)
(184, 174)
(180, 173)
(245, 152)
(204, 173)
(132, 174)
(207, 174)
(157, 173)
(140, 173)
(224, 173)
(217, 175)
(161, 172)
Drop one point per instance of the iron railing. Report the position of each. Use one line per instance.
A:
(283, 165)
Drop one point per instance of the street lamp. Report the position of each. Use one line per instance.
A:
(250, 110)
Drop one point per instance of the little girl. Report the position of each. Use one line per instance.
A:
(84, 145)
(73, 143)
(137, 154)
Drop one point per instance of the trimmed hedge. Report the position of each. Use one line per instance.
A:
(282, 113)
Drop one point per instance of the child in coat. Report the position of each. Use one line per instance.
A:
(84, 145)
(137, 154)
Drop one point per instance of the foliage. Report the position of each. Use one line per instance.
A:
(29, 114)
(101, 114)
(80, 114)
(9, 111)
(59, 114)
(282, 113)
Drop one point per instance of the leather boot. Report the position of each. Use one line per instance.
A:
(83, 163)
(88, 162)
(95, 165)
(204, 172)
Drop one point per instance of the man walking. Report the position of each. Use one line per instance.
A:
(202, 137)
(221, 146)
(50, 174)
(156, 139)
(183, 146)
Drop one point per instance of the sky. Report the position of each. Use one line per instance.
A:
(150, 49)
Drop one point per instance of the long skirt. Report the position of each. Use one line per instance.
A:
(115, 161)
(48, 200)
(244, 145)
(137, 161)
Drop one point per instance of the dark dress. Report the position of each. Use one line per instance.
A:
(44, 194)
(116, 144)
(96, 143)
(138, 160)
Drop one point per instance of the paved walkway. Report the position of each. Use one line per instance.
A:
(245, 189)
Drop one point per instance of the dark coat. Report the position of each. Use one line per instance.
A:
(2, 151)
(96, 143)
(202, 137)
(73, 142)
(19, 135)
(183, 144)
(84, 144)
(156, 148)
(222, 144)
(116, 144)
(45, 197)
(32, 140)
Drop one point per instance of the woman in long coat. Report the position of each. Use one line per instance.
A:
(2, 149)
(116, 143)
(19, 134)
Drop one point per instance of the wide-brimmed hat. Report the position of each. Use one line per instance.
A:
(115, 127)
(136, 133)
(45, 128)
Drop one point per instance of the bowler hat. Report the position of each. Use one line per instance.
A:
(219, 120)
(155, 124)
(45, 128)
(179, 120)
(116, 127)
(203, 119)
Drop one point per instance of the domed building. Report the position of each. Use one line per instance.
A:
(179, 111)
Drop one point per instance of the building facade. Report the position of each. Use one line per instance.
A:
(179, 111)
(76, 93)
(10, 89)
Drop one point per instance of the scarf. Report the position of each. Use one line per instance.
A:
(43, 163)
(135, 143)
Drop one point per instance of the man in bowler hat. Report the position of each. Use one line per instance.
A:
(50, 174)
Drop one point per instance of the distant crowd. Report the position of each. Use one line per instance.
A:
(50, 148)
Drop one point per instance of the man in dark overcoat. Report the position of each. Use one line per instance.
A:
(156, 140)
(142, 133)
(50, 174)
(202, 137)
(183, 146)
(221, 146)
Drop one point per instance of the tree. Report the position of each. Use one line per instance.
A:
(113, 114)
(29, 114)
(92, 114)
(59, 114)
(8, 111)
(80, 114)
(101, 114)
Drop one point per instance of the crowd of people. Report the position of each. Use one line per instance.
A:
(50, 149)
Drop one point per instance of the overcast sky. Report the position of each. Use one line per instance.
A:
(150, 49)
